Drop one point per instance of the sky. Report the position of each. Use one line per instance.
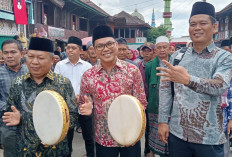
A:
(180, 9)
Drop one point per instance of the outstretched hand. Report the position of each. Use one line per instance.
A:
(11, 118)
(176, 73)
(86, 108)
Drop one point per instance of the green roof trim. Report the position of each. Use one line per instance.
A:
(135, 43)
(7, 16)
(89, 8)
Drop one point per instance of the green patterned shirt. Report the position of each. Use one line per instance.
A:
(22, 95)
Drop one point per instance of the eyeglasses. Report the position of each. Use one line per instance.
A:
(109, 45)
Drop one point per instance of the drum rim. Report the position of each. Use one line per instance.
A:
(143, 119)
(62, 106)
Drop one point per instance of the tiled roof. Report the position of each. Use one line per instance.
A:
(94, 6)
(227, 8)
(131, 20)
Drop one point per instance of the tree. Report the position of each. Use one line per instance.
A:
(155, 32)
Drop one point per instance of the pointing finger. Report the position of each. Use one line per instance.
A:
(168, 64)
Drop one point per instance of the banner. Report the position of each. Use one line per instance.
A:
(20, 11)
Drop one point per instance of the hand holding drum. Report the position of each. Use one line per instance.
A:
(126, 120)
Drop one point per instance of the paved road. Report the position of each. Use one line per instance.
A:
(79, 148)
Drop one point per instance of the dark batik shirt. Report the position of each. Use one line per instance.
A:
(22, 95)
(196, 115)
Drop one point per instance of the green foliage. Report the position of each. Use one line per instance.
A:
(155, 32)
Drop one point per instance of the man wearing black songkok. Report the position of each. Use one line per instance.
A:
(22, 96)
(195, 127)
(105, 81)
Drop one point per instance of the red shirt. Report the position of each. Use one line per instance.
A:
(104, 87)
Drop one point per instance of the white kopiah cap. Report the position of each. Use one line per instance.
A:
(162, 39)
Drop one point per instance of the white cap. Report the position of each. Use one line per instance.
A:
(162, 39)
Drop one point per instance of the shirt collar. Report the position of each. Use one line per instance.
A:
(10, 69)
(79, 61)
(118, 64)
(209, 48)
(49, 75)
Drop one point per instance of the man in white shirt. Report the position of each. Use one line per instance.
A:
(73, 68)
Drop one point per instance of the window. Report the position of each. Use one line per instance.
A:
(48, 15)
(83, 24)
(116, 33)
(127, 33)
(132, 33)
(74, 22)
(122, 33)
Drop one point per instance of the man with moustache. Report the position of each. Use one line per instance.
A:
(12, 53)
(122, 50)
(92, 54)
(201, 77)
(23, 93)
(104, 82)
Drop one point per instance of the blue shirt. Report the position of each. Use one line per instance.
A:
(227, 111)
(196, 115)
(6, 78)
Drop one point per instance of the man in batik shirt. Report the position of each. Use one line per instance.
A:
(22, 96)
(106, 81)
(201, 77)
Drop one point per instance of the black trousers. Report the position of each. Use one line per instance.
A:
(147, 148)
(180, 148)
(133, 151)
(86, 123)
(70, 139)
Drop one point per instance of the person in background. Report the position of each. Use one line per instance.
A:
(136, 53)
(226, 106)
(122, 50)
(130, 55)
(225, 45)
(42, 33)
(172, 48)
(56, 60)
(23, 40)
(84, 54)
(190, 115)
(162, 49)
(92, 54)
(36, 33)
(148, 52)
(73, 68)
(140, 57)
(16, 37)
(12, 54)
(63, 54)
(1, 59)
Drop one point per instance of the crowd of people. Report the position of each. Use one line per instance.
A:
(186, 93)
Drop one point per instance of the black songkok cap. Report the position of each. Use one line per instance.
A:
(121, 41)
(230, 42)
(225, 43)
(203, 8)
(41, 44)
(75, 40)
(102, 31)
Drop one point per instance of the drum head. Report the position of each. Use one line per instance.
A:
(126, 120)
(47, 118)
